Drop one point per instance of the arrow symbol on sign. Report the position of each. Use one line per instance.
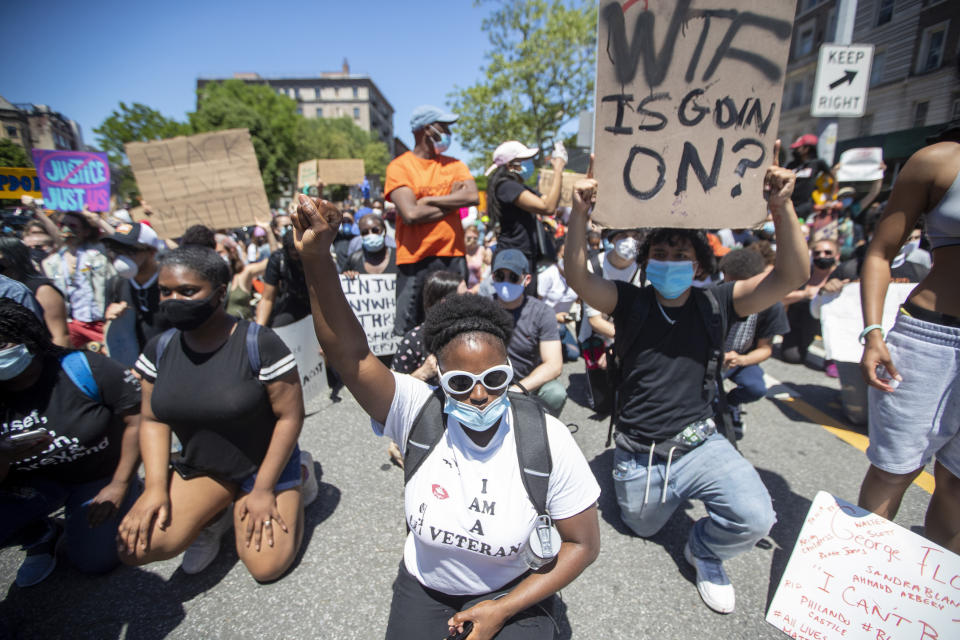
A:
(847, 77)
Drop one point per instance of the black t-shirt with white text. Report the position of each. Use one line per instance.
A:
(218, 408)
(87, 434)
(661, 379)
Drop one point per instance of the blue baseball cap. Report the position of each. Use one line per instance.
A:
(511, 260)
(428, 114)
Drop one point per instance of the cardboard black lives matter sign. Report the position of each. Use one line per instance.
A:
(688, 100)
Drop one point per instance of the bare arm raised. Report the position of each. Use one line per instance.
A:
(339, 332)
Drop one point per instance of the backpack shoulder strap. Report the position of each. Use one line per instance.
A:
(595, 262)
(162, 344)
(253, 347)
(424, 435)
(709, 309)
(77, 368)
(533, 448)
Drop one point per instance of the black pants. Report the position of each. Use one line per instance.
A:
(803, 329)
(417, 612)
(410, 279)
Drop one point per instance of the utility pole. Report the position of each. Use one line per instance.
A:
(827, 127)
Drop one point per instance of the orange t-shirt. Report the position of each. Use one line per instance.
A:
(434, 177)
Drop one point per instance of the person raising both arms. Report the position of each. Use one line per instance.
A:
(914, 377)
(230, 391)
(480, 571)
(669, 345)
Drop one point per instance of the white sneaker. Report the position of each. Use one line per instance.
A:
(310, 488)
(712, 582)
(205, 548)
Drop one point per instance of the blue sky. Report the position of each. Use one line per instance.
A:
(82, 58)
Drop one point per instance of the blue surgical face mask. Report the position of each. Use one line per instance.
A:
(846, 202)
(508, 291)
(476, 419)
(347, 229)
(526, 169)
(13, 361)
(443, 143)
(373, 241)
(669, 278)
(768, 227)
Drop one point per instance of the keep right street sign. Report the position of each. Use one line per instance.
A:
(843, 77)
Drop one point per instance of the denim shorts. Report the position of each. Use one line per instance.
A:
(290, 477)
(921, 417)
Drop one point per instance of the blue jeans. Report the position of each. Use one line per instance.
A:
(738, 506)
(91, 550)
(750, 384)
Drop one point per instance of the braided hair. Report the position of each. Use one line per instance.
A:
(19, 325)
(458, 316)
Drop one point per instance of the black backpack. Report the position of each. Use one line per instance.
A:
(530, 431)
(709, 308)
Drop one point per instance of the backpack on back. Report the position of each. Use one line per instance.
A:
(77, 368)
(529, 428)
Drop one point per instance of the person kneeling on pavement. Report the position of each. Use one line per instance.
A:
(749, 341)
(534, 348)
(70, 425)
(669, 340)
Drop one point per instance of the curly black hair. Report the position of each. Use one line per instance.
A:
(459, 315)
(19, 325)
(697, 239)
(200, 235)
(741, 264)
(206, 262)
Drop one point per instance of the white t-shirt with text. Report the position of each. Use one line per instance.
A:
(468, 511)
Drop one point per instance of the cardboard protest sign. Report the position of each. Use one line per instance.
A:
(860, 165)
(72, 180)
(338, 171)
(688, 100)
(373, 299)
(16, 182)
(210, 178)
(566, 187)
(841, 318)
(855, 575)
(301, 339)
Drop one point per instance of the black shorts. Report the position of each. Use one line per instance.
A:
(418, 612)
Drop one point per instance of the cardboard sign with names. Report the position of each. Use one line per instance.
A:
(688, 100)
(373, 299)
(338, 171)
(301, 338)
(545, 181)
(857, 576)
(210, 178)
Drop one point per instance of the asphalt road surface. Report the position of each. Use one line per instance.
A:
(339, 588)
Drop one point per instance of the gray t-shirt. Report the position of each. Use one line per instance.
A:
(534, 322)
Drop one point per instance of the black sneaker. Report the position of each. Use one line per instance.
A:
(41, 559)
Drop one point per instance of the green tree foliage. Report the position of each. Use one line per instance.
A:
(341, 138)
(271, 118)
(13, 155)
(538, 77)
(132, 123)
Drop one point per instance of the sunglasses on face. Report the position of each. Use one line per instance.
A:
(825, 254)
(501, 276)
(493, 379)
(366, 232)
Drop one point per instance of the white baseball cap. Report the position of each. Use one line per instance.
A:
(509, 151)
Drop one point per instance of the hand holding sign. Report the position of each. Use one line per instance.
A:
(315, 225)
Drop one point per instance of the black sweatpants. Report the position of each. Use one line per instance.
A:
(417, 612)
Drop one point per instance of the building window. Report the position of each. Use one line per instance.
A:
(931, 48)
(876, 71)
(356, 92)
(356, 113)
(865, 125)
(804, 40)
(794, 93)
(299, 111)
(885, 11)
(13, 132)
(806, 5)
(920, 113)
(832, 26)
(319, 112)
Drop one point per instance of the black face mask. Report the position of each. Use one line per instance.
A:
(187, 315)
(823, 263)
(38, 255)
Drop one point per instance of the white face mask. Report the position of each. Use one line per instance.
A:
(125, 266)
(627, 248)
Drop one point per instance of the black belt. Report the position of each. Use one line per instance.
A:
(944, 319)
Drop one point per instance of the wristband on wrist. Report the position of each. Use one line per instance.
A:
(868, 329)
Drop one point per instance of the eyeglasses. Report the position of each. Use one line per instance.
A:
(493, 379)
(500, 276)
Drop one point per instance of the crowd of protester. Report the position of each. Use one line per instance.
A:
(670, 326)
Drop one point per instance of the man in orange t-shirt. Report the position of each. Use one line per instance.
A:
(429, 190)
